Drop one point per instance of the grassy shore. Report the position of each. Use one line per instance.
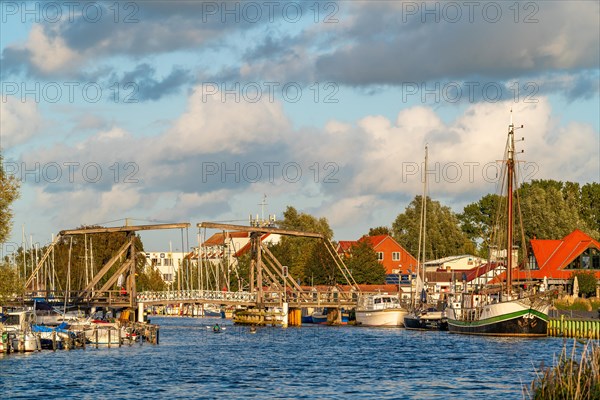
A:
(569, 379)
(579, 304)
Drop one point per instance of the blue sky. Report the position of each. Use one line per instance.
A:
(193, 111)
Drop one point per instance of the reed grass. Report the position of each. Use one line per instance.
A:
(569, 379)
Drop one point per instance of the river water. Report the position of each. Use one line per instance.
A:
(309, 362)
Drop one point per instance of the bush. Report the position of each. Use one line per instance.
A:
(570, 379)
(574, 305)
(587, 282)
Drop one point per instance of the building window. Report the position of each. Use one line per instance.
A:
(380, 255)
(589, 259)
(168, 262)
(532, 264)
(396, 256)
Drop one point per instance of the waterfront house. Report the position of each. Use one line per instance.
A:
(399, 264)
(556, 260)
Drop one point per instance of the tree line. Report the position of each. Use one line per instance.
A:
(550, 210)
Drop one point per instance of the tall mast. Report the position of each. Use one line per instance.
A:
(510, 166)
(421, 249)
(424, 205)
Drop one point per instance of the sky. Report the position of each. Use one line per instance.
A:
(191, 111)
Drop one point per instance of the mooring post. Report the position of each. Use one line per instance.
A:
(141, 311)
(285, 321)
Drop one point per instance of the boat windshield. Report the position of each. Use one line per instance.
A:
(12, 320)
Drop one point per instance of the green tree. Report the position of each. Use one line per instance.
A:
(101, 247)
(477, 219)
(587, 282)
(10, 283)
(304, 257)
(363, 264)
(150, 279)
(590, 205)
(551, 210)
(380, 230)
(444, 236)
(320, 268)
(9, 192)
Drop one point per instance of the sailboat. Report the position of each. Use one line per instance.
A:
(423, 316)
(504, 310)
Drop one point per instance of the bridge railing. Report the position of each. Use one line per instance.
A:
(314, 297)
(193, 295)
(109, 297)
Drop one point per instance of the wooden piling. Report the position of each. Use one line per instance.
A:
(574, 328)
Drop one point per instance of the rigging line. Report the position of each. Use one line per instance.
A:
(107, 222)
(186, 259)
(150, 220)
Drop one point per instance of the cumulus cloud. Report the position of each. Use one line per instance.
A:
(217, 122)
(19, 121)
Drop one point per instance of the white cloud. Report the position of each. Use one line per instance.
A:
(86, 206)
(19, 121)
(49, 53)
(217, 122)
(462, 153)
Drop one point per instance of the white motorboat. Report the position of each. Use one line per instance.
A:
(380, 310)
(18, 326)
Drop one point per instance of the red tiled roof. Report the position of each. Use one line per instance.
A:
(244, 249)
(219, 238)
(478, 271)
(344, 245)
(374, 240)
(553, 256)
(561, 254)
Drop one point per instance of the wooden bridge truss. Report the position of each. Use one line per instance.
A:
(270, 285)
(92, 294)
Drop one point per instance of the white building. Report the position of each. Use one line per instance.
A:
(454, 263)
(167, 263)
(221, 249)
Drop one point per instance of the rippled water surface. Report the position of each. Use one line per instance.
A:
(309, 362)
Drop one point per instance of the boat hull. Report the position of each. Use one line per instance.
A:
(387, 317)
(512, 318)
(26, 342)
(412, 321)
(521, 326)
(319, 318)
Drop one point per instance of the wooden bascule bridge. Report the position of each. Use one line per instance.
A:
(273, 294)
